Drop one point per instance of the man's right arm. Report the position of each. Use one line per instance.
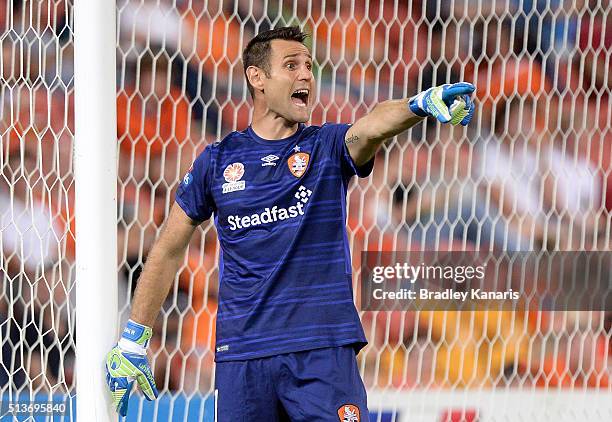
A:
(161, 266)
(127, 362)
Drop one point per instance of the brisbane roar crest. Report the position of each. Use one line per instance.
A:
(298, 163)
(349, 413)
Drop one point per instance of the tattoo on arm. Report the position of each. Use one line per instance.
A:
(353, 139)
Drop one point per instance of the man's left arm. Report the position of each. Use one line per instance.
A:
(450, 103)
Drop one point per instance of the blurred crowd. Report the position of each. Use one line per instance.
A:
(532, 172)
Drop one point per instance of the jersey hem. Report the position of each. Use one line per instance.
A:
(358, 344)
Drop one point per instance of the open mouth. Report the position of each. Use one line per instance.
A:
(300, 97)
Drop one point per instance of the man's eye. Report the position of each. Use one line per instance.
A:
(309, 66)
(290, 66)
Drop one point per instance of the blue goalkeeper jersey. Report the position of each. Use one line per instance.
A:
(279, 206)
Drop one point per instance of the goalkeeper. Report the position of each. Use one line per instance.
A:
(287, 328)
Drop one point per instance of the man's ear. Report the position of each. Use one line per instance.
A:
(255, 76)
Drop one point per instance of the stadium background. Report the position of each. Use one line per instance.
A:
(533, 171)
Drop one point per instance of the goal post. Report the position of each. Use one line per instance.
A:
(95, 167)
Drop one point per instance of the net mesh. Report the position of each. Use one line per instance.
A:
(36, 199)
(533, 171)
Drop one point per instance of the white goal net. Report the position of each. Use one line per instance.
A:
(532, 172)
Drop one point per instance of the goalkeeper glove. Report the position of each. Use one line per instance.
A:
(127, 362)
(447, 103)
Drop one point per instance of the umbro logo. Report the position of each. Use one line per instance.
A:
(269, 160)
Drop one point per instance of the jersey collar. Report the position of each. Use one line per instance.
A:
(271, 142)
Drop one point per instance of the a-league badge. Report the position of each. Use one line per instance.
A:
(349, 413)
(298, 163)
(232, 174)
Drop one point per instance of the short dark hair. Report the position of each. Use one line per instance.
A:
(257, 51)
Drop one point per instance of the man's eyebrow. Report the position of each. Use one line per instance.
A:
(297, 54)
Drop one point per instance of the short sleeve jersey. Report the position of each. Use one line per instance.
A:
(279, 208)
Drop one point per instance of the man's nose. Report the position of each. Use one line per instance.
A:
(305, 74)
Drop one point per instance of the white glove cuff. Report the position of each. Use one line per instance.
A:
(131, 346)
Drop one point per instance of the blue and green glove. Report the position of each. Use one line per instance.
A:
(447, 103)
(127, 362)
